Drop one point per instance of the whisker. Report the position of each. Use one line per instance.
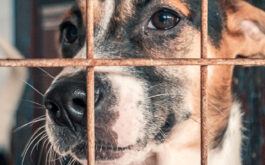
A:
(61, 160)
(196, 121)
(158, 95)
(36, 134)
(163, 134)
(36, 90)
(46, 144)
(33, 102)
(47, 73)
(37, 143)
(54, 155)
(42, 108)
(157, 85)
(214, 107)
(46, 141)
(48, 155)
(36, 137)
(70, 161)
(39, 119)
(74, 162)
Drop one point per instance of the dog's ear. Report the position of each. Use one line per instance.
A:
(245, 28)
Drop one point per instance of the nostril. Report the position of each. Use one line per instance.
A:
(76, 107)
(79, 102)
(53, 109)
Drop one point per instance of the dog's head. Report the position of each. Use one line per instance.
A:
(139, 108)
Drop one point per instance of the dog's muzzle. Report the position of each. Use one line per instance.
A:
(66, 102)
(119, 115)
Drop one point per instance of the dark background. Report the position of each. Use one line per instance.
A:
(36, 30)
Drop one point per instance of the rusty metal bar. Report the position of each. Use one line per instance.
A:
(90, 63)
(125, 62)
(90, 83)
(90, 116)
(204, 74)
(204, 107)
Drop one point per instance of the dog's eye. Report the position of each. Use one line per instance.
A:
(70, 34)
(164, 19)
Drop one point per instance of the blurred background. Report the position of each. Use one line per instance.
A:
(31, 26)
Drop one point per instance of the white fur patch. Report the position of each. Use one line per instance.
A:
(131, 118)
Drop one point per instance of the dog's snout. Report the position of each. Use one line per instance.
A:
(66, 103)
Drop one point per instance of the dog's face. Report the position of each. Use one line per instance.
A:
(137, 109)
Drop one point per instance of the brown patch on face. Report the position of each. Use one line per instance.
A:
(179, 5)
(98, 7)
(235, 41)
(124, 11)
(219, 101)
(219, 93)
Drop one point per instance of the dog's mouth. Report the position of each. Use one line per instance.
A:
(108, 151)
(100, 145)
(103, 151)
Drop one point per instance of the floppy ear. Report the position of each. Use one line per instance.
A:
(245, 28)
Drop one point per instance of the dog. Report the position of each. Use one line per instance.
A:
(151, 115)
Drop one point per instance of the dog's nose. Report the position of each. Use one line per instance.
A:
(66, 103)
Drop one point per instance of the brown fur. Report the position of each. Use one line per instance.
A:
(124, 10)
(234, 42)
(179, 5)
(97, 7)
(219, 85)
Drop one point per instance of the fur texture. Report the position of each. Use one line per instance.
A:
(151, 115)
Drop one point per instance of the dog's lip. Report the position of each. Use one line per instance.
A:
(103, 151)
(113, 148)
(99, 145)
(109, 152)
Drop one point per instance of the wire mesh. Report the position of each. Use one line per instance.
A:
(90, 84)
(126, 62)
(204, 74)
(90, 63)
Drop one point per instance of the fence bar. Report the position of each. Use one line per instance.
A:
(90, 116)
(204, 73)
(90, 83)
(204, 107)
(125, 62)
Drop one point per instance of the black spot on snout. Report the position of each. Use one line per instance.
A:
(166, 128)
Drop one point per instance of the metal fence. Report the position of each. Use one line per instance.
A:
(90, 63)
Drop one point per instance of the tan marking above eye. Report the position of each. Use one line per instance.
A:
(177, 4)
(97, 6)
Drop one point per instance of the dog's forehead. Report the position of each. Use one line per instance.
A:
(126, 8)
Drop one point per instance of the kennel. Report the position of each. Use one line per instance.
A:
(90, 62)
